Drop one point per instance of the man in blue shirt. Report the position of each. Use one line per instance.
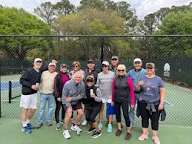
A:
(137, 73)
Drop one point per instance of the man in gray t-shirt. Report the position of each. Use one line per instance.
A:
(73, 92)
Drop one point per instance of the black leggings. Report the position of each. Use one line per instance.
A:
(92, 112)
(145, 116)
(125, 107)
(59, 105)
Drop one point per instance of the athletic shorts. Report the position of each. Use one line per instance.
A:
(110, 110)
(77, 106)
(29, 101)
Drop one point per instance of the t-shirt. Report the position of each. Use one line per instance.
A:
(151, 89)
(104, 83)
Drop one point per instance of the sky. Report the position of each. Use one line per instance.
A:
(142, 7)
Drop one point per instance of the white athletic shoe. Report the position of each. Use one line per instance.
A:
(73, 127)
(66, 134)
(78, 130)
(84, 123)
(100, 125)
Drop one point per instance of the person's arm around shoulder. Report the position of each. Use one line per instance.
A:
(131, 91)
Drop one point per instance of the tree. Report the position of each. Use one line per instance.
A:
(19, 22)
(92, 22)
(176, 22)
(46, 11)
(64, 7)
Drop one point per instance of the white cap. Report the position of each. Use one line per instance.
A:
(52, 64)
(37, 59)
(137, 60)
(105, 63)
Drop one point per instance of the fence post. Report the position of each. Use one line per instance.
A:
(102, 49)
(10, 91)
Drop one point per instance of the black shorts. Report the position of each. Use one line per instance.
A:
(77, 106)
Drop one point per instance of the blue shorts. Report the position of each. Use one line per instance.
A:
(110, 110)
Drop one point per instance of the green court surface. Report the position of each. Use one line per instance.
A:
(176, 129)
(10, 134)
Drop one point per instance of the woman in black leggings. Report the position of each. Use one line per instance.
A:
(93, 105)
(122, 98)
(151, 102)
(61, 78)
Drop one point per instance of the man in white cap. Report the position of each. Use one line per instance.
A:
(30, 84)
(46, 95)
(104, 83)
(137, 73)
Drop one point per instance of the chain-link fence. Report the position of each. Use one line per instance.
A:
(171, 54)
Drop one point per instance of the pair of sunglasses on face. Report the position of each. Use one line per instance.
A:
(137, 62)
(114, 59)
(89, 80)
(38, 61)
(120, 70)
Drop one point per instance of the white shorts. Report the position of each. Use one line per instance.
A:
(29, 101)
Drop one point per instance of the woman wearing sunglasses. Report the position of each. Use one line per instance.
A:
(76, 66)
(151, 102)
(122, 98)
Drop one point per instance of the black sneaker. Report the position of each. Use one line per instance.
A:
(96, 134)
(91, 129)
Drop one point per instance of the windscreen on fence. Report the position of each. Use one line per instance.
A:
(171, 55)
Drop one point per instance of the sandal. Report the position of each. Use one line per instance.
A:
(156, 140)
(143, 137)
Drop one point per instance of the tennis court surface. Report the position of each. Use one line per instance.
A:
(176, 129)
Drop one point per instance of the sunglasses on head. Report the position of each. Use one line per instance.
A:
(120, 70)
(137, 62)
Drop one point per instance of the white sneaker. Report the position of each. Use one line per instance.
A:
(73, 127)
(78, 130)
(84, 123)
(66, 134)
(100, 125)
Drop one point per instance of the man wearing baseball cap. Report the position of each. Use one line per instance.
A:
(137, 73)
(46, 95)
(114, 63)
(30, 85)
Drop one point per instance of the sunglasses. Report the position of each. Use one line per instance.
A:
(149, 67)
(137, 62)
(75, 66)
(38, 61)
(120, 70)
(89, 80)
(114, 59)
(104, 65)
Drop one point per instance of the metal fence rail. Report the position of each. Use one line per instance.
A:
(67, 48)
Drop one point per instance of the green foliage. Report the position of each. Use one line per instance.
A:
(176, 22)
(19, 22)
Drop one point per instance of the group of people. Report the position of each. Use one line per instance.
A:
(82, 96)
